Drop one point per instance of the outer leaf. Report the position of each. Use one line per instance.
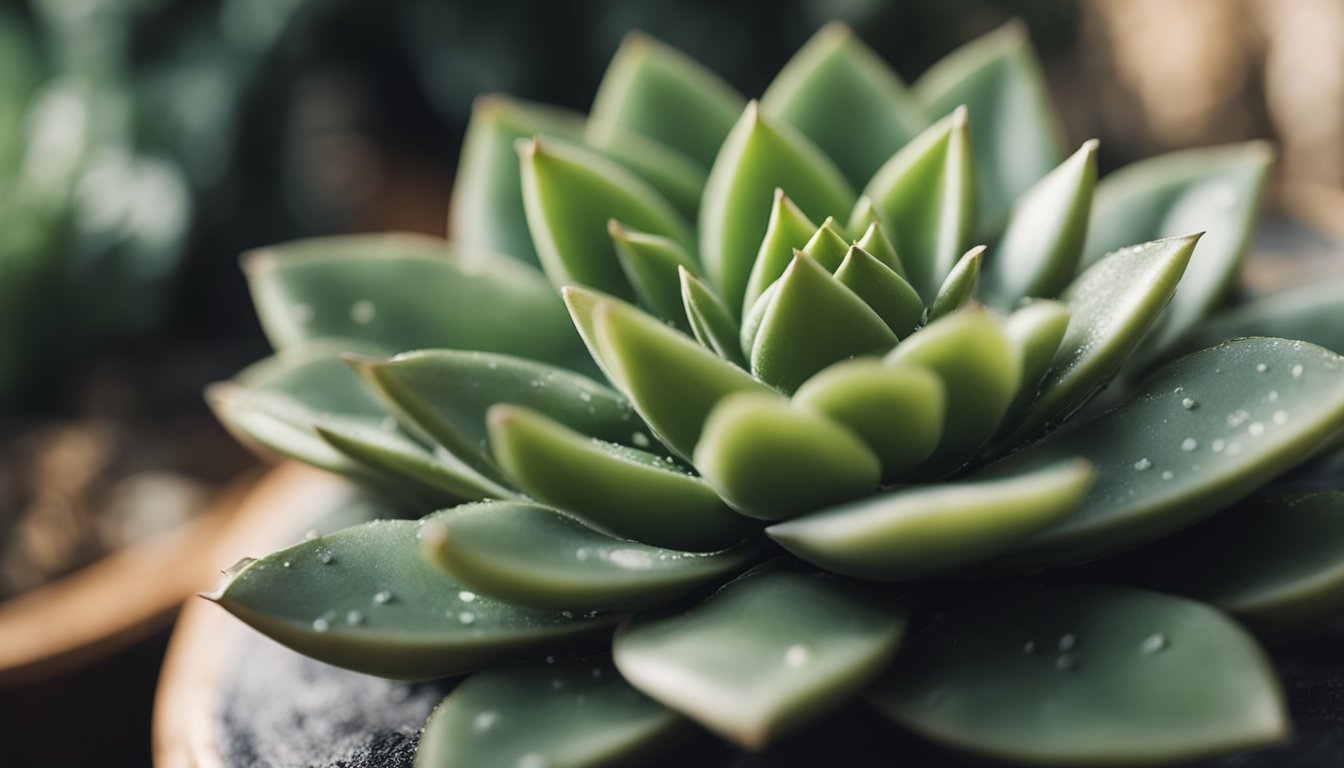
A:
(1216, 190)
(1038, 329)
(883, 290)
(1310, 313)
(759, 156)
(363, 599)
(571, 196)
(561, 714)
(846, 99)
(672, 381)
(486, 208)
(533, 556)
(676, 176)
(1086, 675)
(1202, 433)
(898, 412)
(787, 230)
(1013, 134)
(1043, 244)
(447, 393)
(772, 461)
(926, 192)
(980, 369)
(711, 320)
(627, 492)
(406, 292)
(1275, 563)
(927, 530)
(812, 321)
(656, 91)
(651, 263)
(765, 655)
(1111, 307)
(959, 287)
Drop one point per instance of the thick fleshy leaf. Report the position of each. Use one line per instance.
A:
(672, 381)
(446, 393)
(630, 493)
(532, 556)
(1309, 313)
(656, 91)
(812, 321)
(926, 192)
(486, 208)
(828, 245)
(759, 156)
(876, 242)
(1200, 434)
(650, 263)
(406, 292)
(751, 322)
(897, 411)
(773, 461)
(980, 369)
(1086, 675)
(571, 195)
(883, 290)
(959, 287)
(840, 94)
(1041, 248)
(1213, 190)
(1013, 134)
(711, 321)
(931, 529)
(561, 713)
(765, 655)
(677, 177)
(787, 230)
(1276, 563)
(364, 599)
(1038, 329)
(1111, 307)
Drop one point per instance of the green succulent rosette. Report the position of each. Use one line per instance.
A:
(741, 381)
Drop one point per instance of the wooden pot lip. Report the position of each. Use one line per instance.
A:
(113, 603)
(186, 705)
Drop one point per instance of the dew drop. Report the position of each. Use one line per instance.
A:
(354, 618)
(327, 558)
(1167, 474)
(485, 720)
(362, 312)
(1067, 642)
(1153, 643)
(1280, 417)
(1233, 449)
(1142, 464)
(1029, 647)
(310, 534)
(557, 684)
(585, 396)
(321, 625)
(1297, 371)
(598, 673)
(550, 659)
(797, 656)
(466, 596)
(1237, 418)
(583, 553)
(1189, 403)
(631, 559)
(1178, 390)
(466, 617)
(1261, 368)
(1273, 396)
(1256, 429)
(383, 597)
(1189, 444)
(640, 440)
(287, 564)
(1065, 662)
(1217, 445)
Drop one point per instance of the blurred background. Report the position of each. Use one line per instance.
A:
(145, 143)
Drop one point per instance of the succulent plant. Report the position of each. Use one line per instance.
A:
(813, 448)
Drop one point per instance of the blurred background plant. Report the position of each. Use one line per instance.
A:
(145, 143)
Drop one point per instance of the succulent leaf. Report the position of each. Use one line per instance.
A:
(763, 656)
(1111, 307)
(571, 196)
(897, 411)
(875, 240)
(927, 530)
(711, 321)
(925, 191)
(1214, 190)
(959, 287)
(651, 264)
(1043, 243)
(1308, 313)
(532, 556)
(362, 598)
(1085, 675)
(848, 101)
(653, 90)
(675, 176)
(772, 461)
(628, 492)
(981, 371)
(1202, 433)
(813, 320)
(1013, 135)
(1038, 329)
(759, 156)
(787, 230)
(486, 208)
(562, 713)
(882, 289)
(828, 245)
(406, 292)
